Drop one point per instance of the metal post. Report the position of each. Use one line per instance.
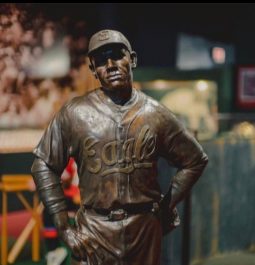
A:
(186, 235)
(186, 231)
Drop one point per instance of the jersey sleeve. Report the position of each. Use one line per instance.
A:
(53, 147)
(182, 150)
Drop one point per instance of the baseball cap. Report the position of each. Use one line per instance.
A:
(107, 36)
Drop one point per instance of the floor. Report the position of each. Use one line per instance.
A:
(241, 258)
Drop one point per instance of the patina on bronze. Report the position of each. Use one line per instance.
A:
(116, 135)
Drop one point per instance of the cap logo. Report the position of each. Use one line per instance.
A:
(104, 35)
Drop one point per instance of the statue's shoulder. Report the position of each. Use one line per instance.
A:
(157, 108)
(80, 101)
(151, 102)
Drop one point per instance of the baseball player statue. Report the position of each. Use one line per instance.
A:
(116, 135)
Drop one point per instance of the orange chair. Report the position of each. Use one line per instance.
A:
(18, 184)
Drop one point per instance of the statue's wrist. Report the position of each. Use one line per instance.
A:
(60, 220)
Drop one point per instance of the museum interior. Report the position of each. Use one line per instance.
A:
(196, 59)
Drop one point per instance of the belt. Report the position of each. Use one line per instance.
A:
(125, 210)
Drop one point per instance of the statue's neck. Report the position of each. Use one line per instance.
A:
(119, 97)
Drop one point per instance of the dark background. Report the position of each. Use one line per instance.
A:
(153, 28)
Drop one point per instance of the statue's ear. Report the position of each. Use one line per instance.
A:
(93, 70)
(133, 59)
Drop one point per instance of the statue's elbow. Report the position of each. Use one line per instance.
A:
(38, 166)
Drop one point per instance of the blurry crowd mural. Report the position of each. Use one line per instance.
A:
(42, 64)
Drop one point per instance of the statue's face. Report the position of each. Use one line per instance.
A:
(112, 66)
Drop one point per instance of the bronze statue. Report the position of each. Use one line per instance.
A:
(116, 135)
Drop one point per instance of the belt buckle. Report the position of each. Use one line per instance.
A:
(117, 215)
(155, 207)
